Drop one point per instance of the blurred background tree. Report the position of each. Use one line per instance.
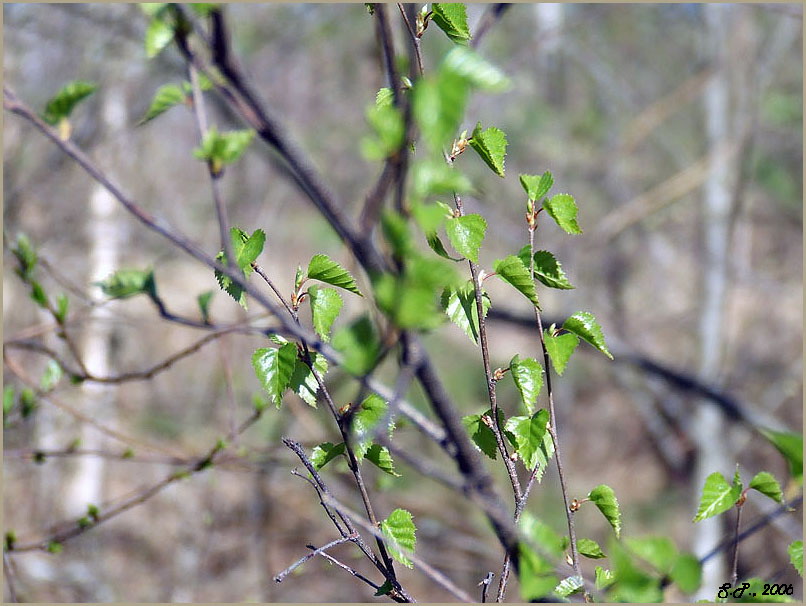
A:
(647, 113)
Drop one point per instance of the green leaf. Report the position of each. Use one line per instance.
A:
(54, 547)
(159, 34)
(475, 70)
(795, 551)
(537, 186)
(274, 368)
(203, 301)
(389, 132)
(512, 270)
(459, 304)
(38, 294)
(528, 377)
(62, 103)
(28, 402)
(547, 268)
(303, 382)
(632, 584)
(380, 457)
(438, 105)
(590, 549)
(718, 496)
(359, 346)
(128, 283)
(165, 98)
(604, 578)
(563, 209)
(568, 586)
(536, 575)
(26, 257)
(326, 303)
(51, 376)
(529, 435)
(466, 234)
(767, 485)
(560, 348)
(299, 278)
(62, 305)
(451, 18)
(431, 177)
(436, 245)
(223, 148)
(324, 269)
(246, 249)
(687, 572)
(790, 445)
(9, 394)
(325, 453)
(387, 585)
(491, 145)
(605, 499)
(585, 326)
(430, 217)
(384, 97)
(397, 232)
(542, 535)
(399, 531)
(372, 411)
(661, 552)
(482, 436)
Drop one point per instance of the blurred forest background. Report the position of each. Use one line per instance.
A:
(679, 134)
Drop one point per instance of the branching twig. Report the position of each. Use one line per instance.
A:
(316, 551)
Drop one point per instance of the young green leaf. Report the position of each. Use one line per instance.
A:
(661, 552)
(438, 247)
(325, 453)
(26, 257)
(399, 531)
(129, 282)
(482, 436)
(718, 496)
(303, 382)
(590, 549)
(62, 103)
(165, 98)
(431, 177)
(324, 269)
(223, 148)
(372, 411)
(358, 345)
(512, 270)
(451, 18)
(563, 209)
(459, 304)
(542, 535)
(605, 499)
(387, 586)
(528, 377)
(274, 368)
(62, 304)
(537, 578)
(604, 578)
(687, 572)
(438, 104)
(529, 435)
(9, 394)
(560, 348)
(547, 268)
(795, 550)
(389, 132)
(380, 457)
(38, 294)
(491, 145)
(51, 376)
(159, 34)
(326, 303)
(466, 234)
(384, 97)
(246, 250)
(790, 445)
(568, 586)
(203, 301)
(537, 186)
(585, 326)
(632, 583)
(474, 69)
(766, 484)
(430, 217)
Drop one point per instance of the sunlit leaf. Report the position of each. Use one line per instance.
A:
(512, 270)
(605, 499)
(466, 234)
(718, 496)
(661, 552)
(529, 435)
(560, 348)
(537, 186)
(477, 71)
(590, 549)
(358, 345)
(324, 269)
(303, 382)
(767, 485)
(795, 550)
(563, 209)
(369, 414)
(326, 303)
(381, 457)
(459, 304)
(491, 145)
(165, 98)
(790, 445)
(61, 105)
(687, 572)
(399, 531)
(528, 377)
(568, 586)
(547, 268)
(584, 325)
(274, 368)
(129, 282)
(325, 453)
(536, 575)
(160, 33)
(451, 18)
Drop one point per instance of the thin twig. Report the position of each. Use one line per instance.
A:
(735, 567)
(316, 551)
(485, 585)
(8, 573)
(414, 39)
(352, 571)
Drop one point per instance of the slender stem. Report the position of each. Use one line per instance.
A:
(414, 39)
(9, 575)
(735, 568)
(259, 271)
(495, 425)
(279, 578)
(352, 571)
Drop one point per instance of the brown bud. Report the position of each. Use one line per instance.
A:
(575, 505)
